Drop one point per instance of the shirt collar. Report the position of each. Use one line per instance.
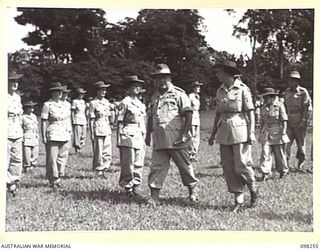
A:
(236, 85)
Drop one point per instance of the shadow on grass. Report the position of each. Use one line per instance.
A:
(203, 175)
(296, 216)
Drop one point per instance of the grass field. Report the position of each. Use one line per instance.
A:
(86, 202)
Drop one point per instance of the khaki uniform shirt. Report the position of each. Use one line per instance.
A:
(99, 110)
(271, 117)
(14, 116)
(55, 113)
(30, 130)
(132, 113)
(298, 103)
(195, 105)
(167, 120)
(79, 112)
(233, 104)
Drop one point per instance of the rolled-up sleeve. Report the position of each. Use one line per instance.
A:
(247, 100)
(184, 103)
(45, 111)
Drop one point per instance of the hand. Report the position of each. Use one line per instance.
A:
(211, 139)
(184, 139)
(252, 138)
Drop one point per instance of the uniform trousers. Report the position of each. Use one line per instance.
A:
(298, 134)
(30, 155)
(161, 163)
(102, 152)
(195, 139)
(14, 160)
(79, 135)
(236, 161)
(279, 157)
(132, 161)
(56, 159)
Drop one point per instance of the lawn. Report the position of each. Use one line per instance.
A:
(86, 202)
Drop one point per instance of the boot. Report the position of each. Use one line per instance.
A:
(238, 207)
(253, 193)
(154, 199)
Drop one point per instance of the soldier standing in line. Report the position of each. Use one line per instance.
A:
(30, 137)
(79, 120)
(14, 134)
(195, 124)
(100, 129)
(234, 129)
(170, 124)
(299, 107)
(67, 114)
(131, 136)
(55, 134)
(273, 134)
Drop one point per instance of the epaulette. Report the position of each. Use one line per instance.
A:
(179, 89)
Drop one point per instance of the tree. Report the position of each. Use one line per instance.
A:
(69, 34)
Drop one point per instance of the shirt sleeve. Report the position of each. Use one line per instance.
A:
(45, 111)
(282, 113)
(247, 100)
(73, 105)
(184, 102)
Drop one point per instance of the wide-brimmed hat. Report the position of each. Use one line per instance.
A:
(56, 86)
(101, 84)
(269, 91)
(29, 104)
(13, 75)
(130, 80)
(162, 69)
(228, 64)
(65, 90)
(196, 83)
(81, 91)
(294, 74)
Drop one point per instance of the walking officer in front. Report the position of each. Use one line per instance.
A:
(55, 134)
(195, 124)
(99, 112)
(14, 134)
(299, 107)
(170, 124)
(233, 129)
(131, 136)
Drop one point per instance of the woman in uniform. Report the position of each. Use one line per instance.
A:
(273, 136)
(131, 133)
(100, 129)
(55, 134)
(79, 121)
(233, 129)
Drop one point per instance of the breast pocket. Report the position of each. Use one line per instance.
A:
(171, 104)
(234, 104)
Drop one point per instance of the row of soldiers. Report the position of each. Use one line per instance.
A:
(173, 124)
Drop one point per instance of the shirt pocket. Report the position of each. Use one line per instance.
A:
(171, 104)
(234, 104)
(238, 123)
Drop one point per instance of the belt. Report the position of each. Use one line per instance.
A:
(31, 131)
(136, 125)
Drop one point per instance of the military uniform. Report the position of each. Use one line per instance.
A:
(15, 137)
(195, 124)
(298, 104)
(58, 136)
(232, 135)
(79, 123)
(30, 140)
(167, 127)
(99, 111)
(68, 124)
(272, 139)
(132, 131)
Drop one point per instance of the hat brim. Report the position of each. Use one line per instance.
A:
(29, 104)
(82, 92)
(103, 86)
(236, 71)
(266, 94)
(292, 77)
(57, 88)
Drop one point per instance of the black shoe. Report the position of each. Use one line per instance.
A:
(12, 189)
(193, 197)
(238, 207)
(301, 164)
(265, 177)
(283, 175)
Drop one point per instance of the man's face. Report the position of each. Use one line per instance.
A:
(135, 89)
(221, 75)
(162, 82)
(293, 83)
(56, 94)
(13, 85)
(101, 92)
(196, 89)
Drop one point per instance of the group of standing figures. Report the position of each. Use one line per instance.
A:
(171, 125)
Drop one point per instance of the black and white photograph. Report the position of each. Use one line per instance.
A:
(158, 119)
